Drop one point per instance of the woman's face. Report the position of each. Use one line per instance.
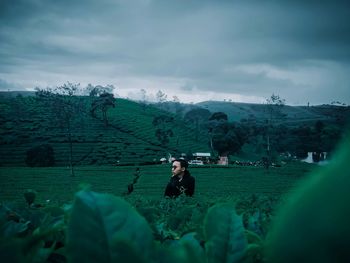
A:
(177, 169)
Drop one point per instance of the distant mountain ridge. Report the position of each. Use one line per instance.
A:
(16, 93)
(237, 111)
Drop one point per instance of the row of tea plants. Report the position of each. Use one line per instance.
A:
(99, 227)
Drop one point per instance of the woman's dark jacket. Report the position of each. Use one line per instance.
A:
(176, 187)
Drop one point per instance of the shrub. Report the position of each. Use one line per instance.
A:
(40, 156)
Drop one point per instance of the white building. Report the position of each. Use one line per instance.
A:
(202, 157)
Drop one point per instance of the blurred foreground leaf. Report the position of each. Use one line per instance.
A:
(104, 228)
(187, 249)
(226, 241)
(314, 225)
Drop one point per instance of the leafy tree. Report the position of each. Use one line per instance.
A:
(163, 124)
(222, 138)
(331, 138)
(164, 135)
(198, 117)
(318, 136)
(67, 110)
(197, 114)
(319, 125)
(214, 121)
(95, 91)
(226, 137)
(103, 102)
(177, 104)
(302, 141)
(218, 116)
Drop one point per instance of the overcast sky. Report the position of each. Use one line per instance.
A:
(196, 50)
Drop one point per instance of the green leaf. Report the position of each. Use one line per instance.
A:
(185, 250)
(43, 254)
(12, 228)
(313, 224)
(224, 233)
(29, 196)
(105, 228)
(11, 250)
(253, 253)
(29, 249)
(193, 250)
(253, 237)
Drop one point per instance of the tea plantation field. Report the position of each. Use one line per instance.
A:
(145, 227)
(218, 182)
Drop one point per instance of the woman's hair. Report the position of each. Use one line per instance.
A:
(183, 163)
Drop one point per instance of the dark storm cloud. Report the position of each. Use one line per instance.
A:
(246, 47)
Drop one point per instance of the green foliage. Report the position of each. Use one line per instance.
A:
(94, 91)
(164, 131)
(29, 235)
(226, 137)
(186, 249)
(111, 231)
(103, 103)
(66, 109)
(105, 228)
(224, 233)
(199, 118)
(313, 225)
(63, 104)
(275, 105)
(40, 156)
(218, 116)
(29, 196)
(257, 212)
(197, 114)
(129, 137)
(164, 135)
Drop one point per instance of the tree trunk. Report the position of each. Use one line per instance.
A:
(104, 116)
(71, 153)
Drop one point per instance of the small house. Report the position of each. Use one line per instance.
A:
(205, 157)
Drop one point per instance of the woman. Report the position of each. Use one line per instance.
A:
(181, 180)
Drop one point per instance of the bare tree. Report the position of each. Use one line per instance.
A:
(143, 99)
(274, 105)
(161, 96)
(66, 108)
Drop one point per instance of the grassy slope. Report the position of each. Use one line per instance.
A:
(129, 139)
(295, 114)
(219, 182)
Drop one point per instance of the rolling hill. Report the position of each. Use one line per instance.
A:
(128, 139)
(130, 136)
(293, 114)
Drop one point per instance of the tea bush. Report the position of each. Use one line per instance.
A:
(40, 156)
